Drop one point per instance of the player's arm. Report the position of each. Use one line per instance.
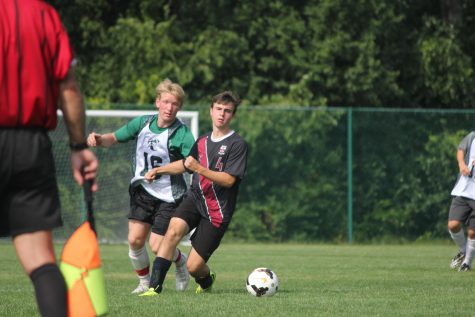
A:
(221, 178)
(84, 163)
(173, 168)
(104, 140)
(464, 170)
(185, 144)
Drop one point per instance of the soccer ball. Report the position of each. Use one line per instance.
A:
(262, 282)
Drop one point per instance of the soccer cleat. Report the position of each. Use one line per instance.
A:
(141, 288)
(181, 274)
(464, 267)
(150, 292)
(457, 260)
(199, 290)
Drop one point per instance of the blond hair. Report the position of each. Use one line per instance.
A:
(167, 86)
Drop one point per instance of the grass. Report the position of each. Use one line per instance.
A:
(315, 280)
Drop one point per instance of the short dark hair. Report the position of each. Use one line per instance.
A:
(225, 98)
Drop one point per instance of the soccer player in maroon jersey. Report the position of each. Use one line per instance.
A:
(36, 74)
(218, 163)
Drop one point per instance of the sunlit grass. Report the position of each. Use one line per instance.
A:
(315, 280)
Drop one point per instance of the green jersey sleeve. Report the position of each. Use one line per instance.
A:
(182, 141)
(130, 130)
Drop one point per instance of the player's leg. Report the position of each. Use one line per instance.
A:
(141, 215)
(470, 248)
(196, 264)
(206, 240)
(186, 217)
(138, 232)
(466, 265)
(458, 214)
(182, 277)
(36, 254)
(176, 230)
(198, 268)
(154, 241)
(159, 229)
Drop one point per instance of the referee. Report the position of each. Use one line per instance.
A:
(37, 77)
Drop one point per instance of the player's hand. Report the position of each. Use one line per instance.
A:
(94, 139)
(85, 165)
(464, 170)
(151, 175)
(192, 164)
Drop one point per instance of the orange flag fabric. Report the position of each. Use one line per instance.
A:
(81, 268)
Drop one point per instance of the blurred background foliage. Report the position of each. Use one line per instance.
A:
(347, 53)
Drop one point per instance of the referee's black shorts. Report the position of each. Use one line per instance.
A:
(29, 199)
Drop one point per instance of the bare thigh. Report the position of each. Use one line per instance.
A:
(34, 249)
(138, 233)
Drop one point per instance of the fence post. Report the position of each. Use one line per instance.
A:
(350, 173)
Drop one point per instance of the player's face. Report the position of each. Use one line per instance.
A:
(221, 115)
(168, 106)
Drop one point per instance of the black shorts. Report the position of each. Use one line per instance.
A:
(206, 238)
(29, 199)
(463, 210)
(149, 209)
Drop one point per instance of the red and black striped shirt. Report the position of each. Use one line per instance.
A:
(229, 155)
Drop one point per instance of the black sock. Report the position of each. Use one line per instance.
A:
(204, 282)
(50, 290)
(159, 272)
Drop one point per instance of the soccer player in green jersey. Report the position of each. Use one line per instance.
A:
(160, 139)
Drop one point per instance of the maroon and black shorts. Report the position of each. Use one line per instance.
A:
(206, 238)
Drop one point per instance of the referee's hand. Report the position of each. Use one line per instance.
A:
(84, 165)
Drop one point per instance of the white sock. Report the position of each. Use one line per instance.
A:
(144, 280)
(141, 263)
(459, 239)
(470, 252)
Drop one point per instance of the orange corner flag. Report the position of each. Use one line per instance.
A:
(81, 268)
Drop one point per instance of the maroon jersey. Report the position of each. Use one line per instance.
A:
(30, 70)
(229, 155)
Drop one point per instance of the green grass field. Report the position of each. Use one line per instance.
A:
(315, 280)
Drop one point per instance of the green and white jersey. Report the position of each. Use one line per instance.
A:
(155, 147)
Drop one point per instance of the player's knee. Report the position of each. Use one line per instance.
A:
(471, 234)
(173, 234)
(454, 226)
(136, 242)
(193, 268)
(154, 248)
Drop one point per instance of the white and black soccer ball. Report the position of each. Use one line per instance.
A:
(262, 282)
